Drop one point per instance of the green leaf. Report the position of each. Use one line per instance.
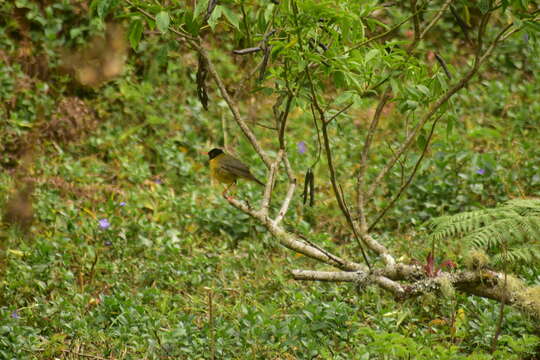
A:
(135, 33)
(371, 54)
(421, 141)
(423, 89)
(101, 7)
(216, 14)
(233, 19)
(339, 79)
(201, 6)
(484, 6)
(162, 21)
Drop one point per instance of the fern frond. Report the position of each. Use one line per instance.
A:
(521, 255)
(510, 232)
(458, 225)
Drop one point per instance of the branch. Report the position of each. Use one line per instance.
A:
(286, 202)
(416, 21)
(360, 277)
(270, 182)
(408, 182)
(330, 162)
(435, 18)
(183, 34)
(291, 242)
(364, 157)
(381, 35)
(339, 113)
(233, 108)
(483, 283)
(412, 136)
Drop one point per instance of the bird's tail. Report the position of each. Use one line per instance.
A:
(257, 181)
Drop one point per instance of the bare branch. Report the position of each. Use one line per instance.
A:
(270, 182)
(286, 202)
(435, 18)
(333, 276)
(381, 35)
(484, 283)
(409, 179)
(289, 241)
(416, 21)
(233, 108)
(339, 113)
(378, 248)
(330, 162)
(364, 158)
(412, 136)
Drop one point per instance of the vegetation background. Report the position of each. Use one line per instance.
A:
(115, 245)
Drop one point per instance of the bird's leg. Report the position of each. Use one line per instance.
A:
(227, 189)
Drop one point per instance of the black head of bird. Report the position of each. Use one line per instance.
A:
(214, 153)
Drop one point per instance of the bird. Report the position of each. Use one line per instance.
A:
(227, 169)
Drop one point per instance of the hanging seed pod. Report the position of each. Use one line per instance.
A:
(312, 190)
(202, 73)
(308, 187)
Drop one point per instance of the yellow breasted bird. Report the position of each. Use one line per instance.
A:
(227, 169)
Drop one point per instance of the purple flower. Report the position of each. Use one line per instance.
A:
(158, 181)
(104, 224)
(526, 38)
(15, 315)
(122, 203)
(301, 147)
(480, 171)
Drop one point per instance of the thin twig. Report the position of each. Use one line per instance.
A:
(411, 176)
(435, 18)
(233, 108)
(416, 21)
(270, 181)
(381, 35)
(355, 232)
(211, 325)
(283, 121)
(339, 113)
(91, 277)
(179, 32)
(286, 202)
(360, 192)
(501, 308)
(330, 163)
(479, 59)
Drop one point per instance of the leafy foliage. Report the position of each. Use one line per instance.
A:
(510, 232)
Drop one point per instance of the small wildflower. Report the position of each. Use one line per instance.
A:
(526, 38)
(15, 315)
(301, 147)
(481, 171)
(108, 243)
(158, 181)
(122, 203)
(104, 224)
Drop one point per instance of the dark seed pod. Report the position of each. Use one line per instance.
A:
(202, 73)
(312, 190)
(308, 187)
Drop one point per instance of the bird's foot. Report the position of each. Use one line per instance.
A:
(227, 196)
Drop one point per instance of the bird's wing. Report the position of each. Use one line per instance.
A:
(235, 166)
